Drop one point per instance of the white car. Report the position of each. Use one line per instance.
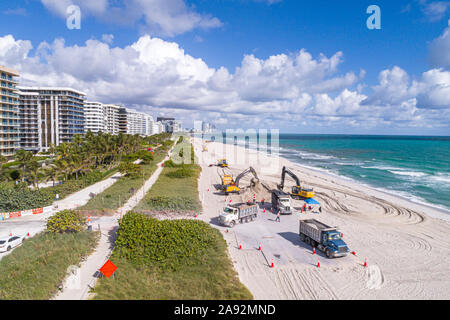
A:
(6, 244)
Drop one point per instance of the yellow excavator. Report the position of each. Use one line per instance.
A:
(232, 186)
(297, 190)
(222, 163)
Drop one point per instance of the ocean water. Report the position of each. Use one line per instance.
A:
(415, 167)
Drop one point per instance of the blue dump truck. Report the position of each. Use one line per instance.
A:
(326, 239)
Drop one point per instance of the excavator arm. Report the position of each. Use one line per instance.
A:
(283, 176)
(244, 173)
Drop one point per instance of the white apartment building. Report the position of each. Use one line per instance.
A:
(135, 122)
(111, 112)
(30, 113)
(95, 117)
(54, 114)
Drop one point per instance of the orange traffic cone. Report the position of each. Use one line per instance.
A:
(240, 247)
(354, 253)
(272, 264)
(10, 234)
(314, 250)
(271, 210)
(28, 234)
(365, 263)
(259, 249)
(318, 264)
(227, 230)
(195, 215)
(264, 210)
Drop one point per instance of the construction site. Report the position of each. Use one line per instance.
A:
(294, 234)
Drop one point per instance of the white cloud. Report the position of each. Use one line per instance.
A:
(281, 91)
(439, 49)
(162, 17)
(435, 10)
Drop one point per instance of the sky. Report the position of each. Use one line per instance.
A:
(297, 66)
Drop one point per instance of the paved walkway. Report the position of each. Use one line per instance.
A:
(77, 285)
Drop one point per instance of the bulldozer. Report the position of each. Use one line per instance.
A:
(232, 186)
(222, 163)
(297, 191)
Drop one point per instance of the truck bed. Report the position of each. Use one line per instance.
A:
(313, 228)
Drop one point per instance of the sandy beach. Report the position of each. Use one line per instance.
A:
(405, 244)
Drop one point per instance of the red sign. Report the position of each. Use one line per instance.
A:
(108, 269)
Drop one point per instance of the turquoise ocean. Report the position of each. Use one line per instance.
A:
(414, 167)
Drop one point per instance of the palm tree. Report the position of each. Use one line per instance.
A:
(23, 157)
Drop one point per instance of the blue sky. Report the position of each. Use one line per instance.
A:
(411, 48)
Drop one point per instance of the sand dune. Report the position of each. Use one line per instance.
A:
(406, 245)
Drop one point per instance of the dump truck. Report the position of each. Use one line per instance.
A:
(327, 239)
(238, 213)
(281, 202)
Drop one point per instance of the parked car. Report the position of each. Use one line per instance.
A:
(8, 243)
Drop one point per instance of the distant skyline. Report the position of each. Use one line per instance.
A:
(297, 66)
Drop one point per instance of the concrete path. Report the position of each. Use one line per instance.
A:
(83, 278)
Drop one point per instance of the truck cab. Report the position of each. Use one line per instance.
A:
(228, 216)
(335, 246)
(281, 202)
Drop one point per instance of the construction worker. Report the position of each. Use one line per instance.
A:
(278, 217)
(262, 201)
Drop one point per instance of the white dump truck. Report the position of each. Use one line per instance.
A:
(238, 213)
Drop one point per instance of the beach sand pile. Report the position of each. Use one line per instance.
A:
(406, 245)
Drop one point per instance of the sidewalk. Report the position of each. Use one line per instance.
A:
(87, 274)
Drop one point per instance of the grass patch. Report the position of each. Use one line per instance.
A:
(116, 195)
(170, 259)
(175, 190)
(177, 187)
(34, 270)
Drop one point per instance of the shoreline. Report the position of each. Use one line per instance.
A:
(439, 212)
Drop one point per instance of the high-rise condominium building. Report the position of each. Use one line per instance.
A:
(30, 121)
(95, 117)
(59, 113)
(9, 134)
(112, 118)
(135, 122)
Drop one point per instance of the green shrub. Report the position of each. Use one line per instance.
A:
(168, 244)
(130, 169)
(66, 221)
(15, 199)
(170, 164)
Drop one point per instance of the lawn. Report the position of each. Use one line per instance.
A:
(116, 195)
(173, 193)
(176, 189)
(34, 270)
(155, 268)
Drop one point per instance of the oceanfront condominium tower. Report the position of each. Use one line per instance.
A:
(58, 113)
(9, 128)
